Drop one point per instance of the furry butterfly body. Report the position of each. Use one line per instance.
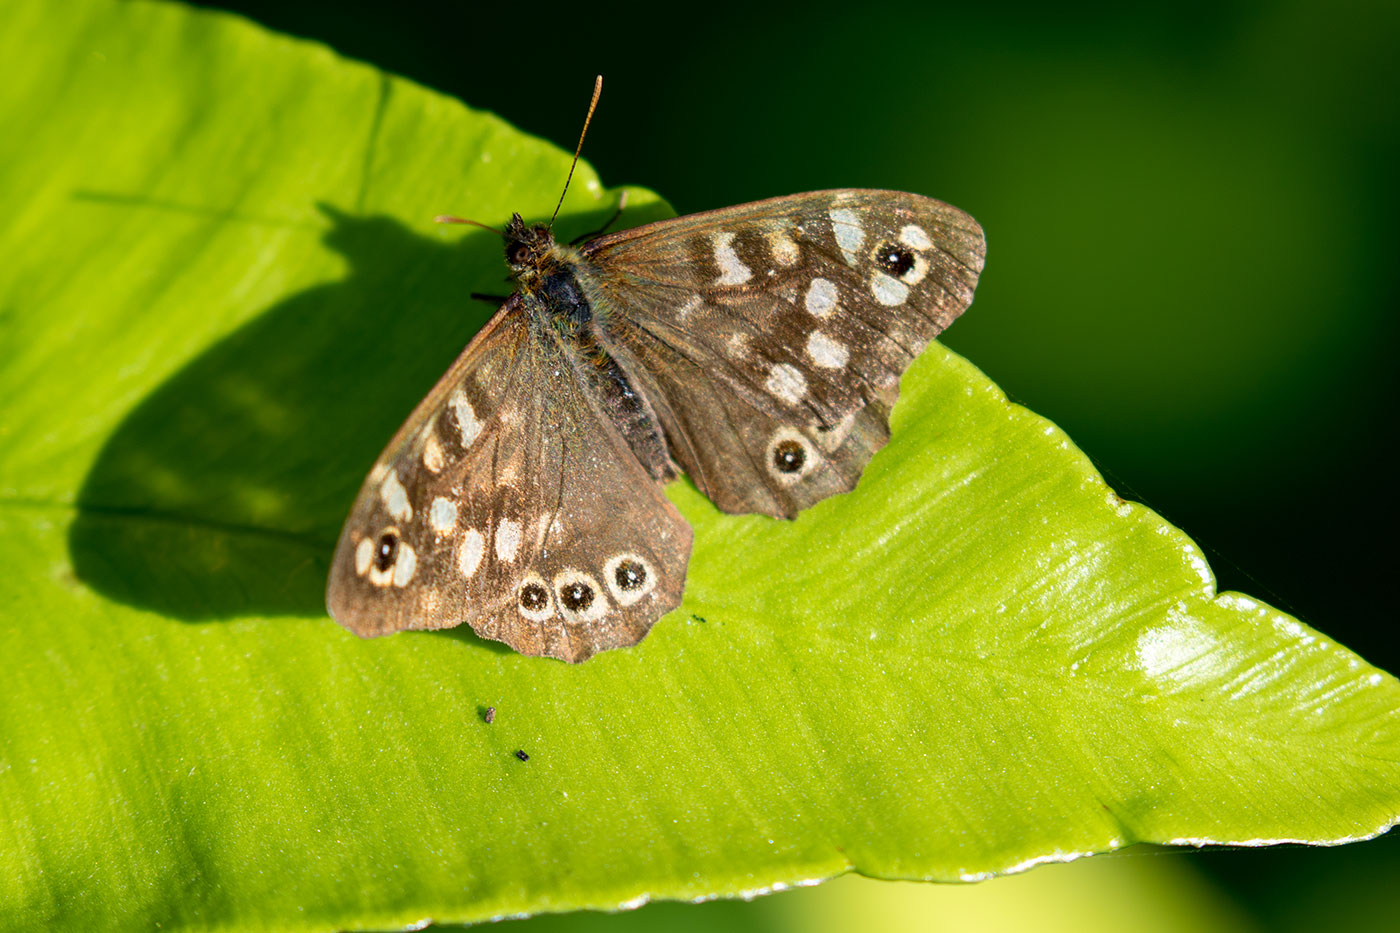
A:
(756, 348)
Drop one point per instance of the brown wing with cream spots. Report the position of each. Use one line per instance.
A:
(770, 337)
(510, 502)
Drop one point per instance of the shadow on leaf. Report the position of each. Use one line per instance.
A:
(222, 493)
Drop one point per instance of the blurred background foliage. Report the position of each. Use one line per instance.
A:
(1193, 267)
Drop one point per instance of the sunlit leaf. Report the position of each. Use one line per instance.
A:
(222, 291)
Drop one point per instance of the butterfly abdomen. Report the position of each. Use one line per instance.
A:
(628, 409)
(562, 300)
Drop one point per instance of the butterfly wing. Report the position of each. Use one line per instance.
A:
(770, 337)
(509, 501)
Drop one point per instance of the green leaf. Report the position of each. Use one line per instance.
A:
(222, 292)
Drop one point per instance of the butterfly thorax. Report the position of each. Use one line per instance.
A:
(546, 272)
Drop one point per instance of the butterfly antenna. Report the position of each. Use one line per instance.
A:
(592, 104)
(449, 219)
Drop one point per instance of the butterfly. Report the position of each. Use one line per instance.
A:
(758, 349)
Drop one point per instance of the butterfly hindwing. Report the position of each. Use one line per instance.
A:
(770, 337)
(510, 500)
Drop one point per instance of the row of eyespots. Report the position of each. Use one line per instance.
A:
(576, 595)
(629, 577)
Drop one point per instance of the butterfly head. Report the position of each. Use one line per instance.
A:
(528, 249)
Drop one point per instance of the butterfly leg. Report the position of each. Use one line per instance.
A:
(492, 299)
(584, 237)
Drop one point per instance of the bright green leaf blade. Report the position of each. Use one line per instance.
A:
(222, 292)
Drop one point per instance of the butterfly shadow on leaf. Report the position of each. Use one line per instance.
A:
(222, 493)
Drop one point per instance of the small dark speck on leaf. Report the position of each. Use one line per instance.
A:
(519, 753)
(697, 618)
(489, 716)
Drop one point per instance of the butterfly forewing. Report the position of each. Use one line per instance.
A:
(510, 501)
(770, 337)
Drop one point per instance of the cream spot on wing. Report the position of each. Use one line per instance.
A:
(443, 515)
(821, 297)
(914, 237)
(432, 453)
(783, 248)
(629, 577)
(738, 345)
(376, 474)
(786, 382)
(395, 497)
(826, 352)
(405, 562)
(834, 438)
(381, 577)
(887, 289)
(467, 424)
(507, 539)
(846, 227)
(579, 597)
(692, 304)
(485, 377)
(364, 553)
(470, 552)
(731, 270)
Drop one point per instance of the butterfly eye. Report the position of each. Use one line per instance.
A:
(517, 253)
(533, 597)
(576, 597)
(789, 456)
(894, 259)
(386, 551)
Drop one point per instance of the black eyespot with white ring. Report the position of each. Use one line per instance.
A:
(791, 456)
(534, 599)
(385, 558)
(386, 549)
(580, 599)
(894, 258)
(629, 577)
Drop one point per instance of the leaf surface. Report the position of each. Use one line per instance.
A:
(222, 293)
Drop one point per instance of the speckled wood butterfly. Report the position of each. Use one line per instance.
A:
(757, 348)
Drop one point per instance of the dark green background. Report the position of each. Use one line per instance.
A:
(1191, 211)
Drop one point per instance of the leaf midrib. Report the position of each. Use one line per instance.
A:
(158, 516)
